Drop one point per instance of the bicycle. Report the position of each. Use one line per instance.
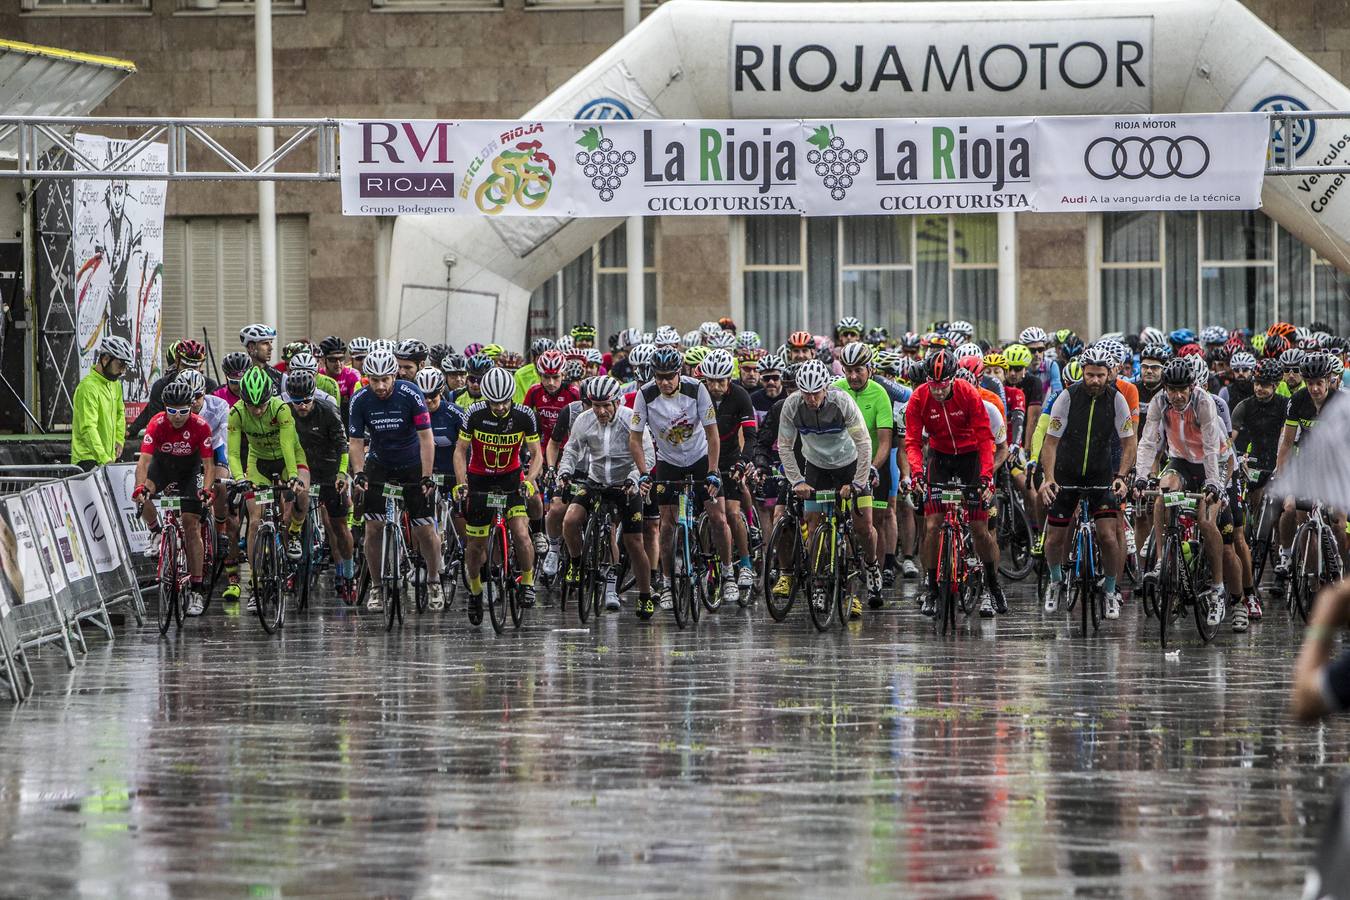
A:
(960, 570)
(598, 556)
(688, 581)
(1013, 528)
(1261, 528)
(1316, 559)
(1083, 566)
(271, 567)
(1181, 558)
(501, 587)
(452, 543)
(790, 527)
(172, 575)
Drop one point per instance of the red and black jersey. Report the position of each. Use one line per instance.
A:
(182, 444)
(546, 407)
(495, 441)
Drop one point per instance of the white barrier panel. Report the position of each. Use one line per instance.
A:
(35, 587)
(121, 482)
(821, 167)
(100, 539)
(44, 613)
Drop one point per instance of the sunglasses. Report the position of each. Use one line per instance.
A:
(771, 378)
(474, 379)
(305, 402)
(332, 359)
(666, 376)
(178, 410)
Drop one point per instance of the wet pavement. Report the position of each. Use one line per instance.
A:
(743, 757)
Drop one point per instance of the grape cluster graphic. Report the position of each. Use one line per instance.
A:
(836, 164)
(605, 166)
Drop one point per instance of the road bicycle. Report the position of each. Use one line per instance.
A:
(1182, 557)
(501, 586)
(960, 570)
(272, 569)
(1315, 560)
(1083, 567)
(787, 528)
(172, 575)
(838, 577)
(600, 560)
(689, 567)
(1012, 528)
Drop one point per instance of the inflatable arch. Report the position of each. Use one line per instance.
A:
(709, 59)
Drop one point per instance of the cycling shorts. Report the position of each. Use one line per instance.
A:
(833, 479)
(669, 494)
(477, 515)
(945, 468)
(629, 506)
(1101, 505)
(174, 478)
(336, 504)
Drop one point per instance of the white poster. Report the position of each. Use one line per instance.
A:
(118, 245)
(65, 531)
(122, 481)
(1150, 162)
(30, 564)
(48, 551)
(87, 500)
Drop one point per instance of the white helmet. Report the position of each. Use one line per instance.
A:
(430, 380)
(565, 344)
(666, 334)
(1243, 360)
(961, 326)
(303, 362)
(604, 389)
(856, 354)
(116, 347)
(379, 363)
(969, 350)
(717, 364)
(383, 344)
(594, 357)
(723, 340)
(1150, 335)
(256, 332)
(641, 355)
(499, 385)
(692, 339)
(1033, 335)
(812, 376)
(708, 329)
(629, 337)
(1200, 368)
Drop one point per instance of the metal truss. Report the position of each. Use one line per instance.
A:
(1292, 128)
(310, 146)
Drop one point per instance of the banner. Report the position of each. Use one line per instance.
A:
(34, 582)
(121, 482)
(611, 168)
(118, 245)
(69, 546)
(100, 539)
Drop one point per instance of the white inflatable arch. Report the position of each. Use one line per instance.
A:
(710, 59)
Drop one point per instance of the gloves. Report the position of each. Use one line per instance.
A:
(873, 477)
(528, 489)
(459, 492)
(714, 481)
(360, 481)
(1141, 484)
(428, 484)
(139, 492)
(1212, 491)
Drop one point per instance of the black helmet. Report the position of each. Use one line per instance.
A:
(1316, 365)
(438, 352)
(1269, 371)
(666, 360)
(299, 385)
(1156, 353)
(941, 366)
(478, 365)
(411, 349)
(453, 363)
(176, 393)
(332, 344)
(1178, 373)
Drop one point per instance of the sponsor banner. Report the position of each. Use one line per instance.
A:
(926, 68)
(734, 167)
(870, 167)
(118, 245)
(68, 548)
(121, 482)
(819, 167)
(26, 549)
(1150, 162)
(100, 541)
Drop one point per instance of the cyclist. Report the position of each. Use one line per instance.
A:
(472, 392)
(175, 454)
(1188, 419)
(583, 336)
(322, 436)
(801, 346)
(359, 348)
(736, 427)
(1306, 406)
(258, 340)
(1258, 424)
(412, 357)
(547, 399)
(454, 368)
(187, 355)
(527, 376)
(949, 416)
(889, 369)
(683, 424)
(98, 412)
(1086, 417)
(326, 386)
(274, 452)
(334, 352)
(878, 411)
(488, 459)
(599, 443)
(825, 425)
(390, 441)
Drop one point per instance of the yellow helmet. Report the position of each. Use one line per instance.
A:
(695, 355)
(492, 351)
(1017, 355)
(995, 359)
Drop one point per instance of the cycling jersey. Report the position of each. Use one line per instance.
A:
(995, 387)
(463, 399)
(874, 404)
(1084, 424)
(830, 437)
(271, 436)
(676, 422)
(1236, 392)
(323, 438)
(216, 411)
(998, 428)
(960, 424)
(1258, 426)
(226, 393)
(546, 407)
(446, 422)
(735, 415)
(391, 426)
(496, 441)
(188, 444)
(347, 381)
(1131, 395)
(1194, 433)
(600, 450)
(761, 402)
(1303, 412)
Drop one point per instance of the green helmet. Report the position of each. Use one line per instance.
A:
(695, 355)
(256, 386)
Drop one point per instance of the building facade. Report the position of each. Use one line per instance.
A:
(497, 58)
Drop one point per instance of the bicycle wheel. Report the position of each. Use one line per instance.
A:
(746, 598)
(1306, 569)
(169, 582)
(590, 578)
(305, 568)
(948, 586)
(393, 602)
(499, 574)
(706, 563)
(681, 582)
(421, 594)
(267, 579)
(1016, 538)
(1173, 583)
(848, 568)
(824, 586)
(784, 529)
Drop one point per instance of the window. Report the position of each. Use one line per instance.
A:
(213, 279)
(899, 272)
(583, 4)
(433, 5)
(96, 7)
(1236, 269)
(594, 288)
(238, 7)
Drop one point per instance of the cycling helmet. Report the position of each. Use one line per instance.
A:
(1072, 373)
(305, 362)
(1178, 373)
(583, 331)
(1213, 334)
(1275, 345)
(695, 355)
(550, 362)
(605, 390)
(1033, 335)
(876, 335)
(256, 386)
(492, 351)
(749, 340)
(962, 327)
(968, 350)
(1018, 355)
(453, 364)
(1190, 350)
(967, 376)
(360, 346)
(1292, 359)
(1181, 336)
(856, 354)
(849, 323)
(629, 338)
(1321, 339)
(1259, 344)
(1337, 368)
(723, 340)
(1269, 371)
(812, 376)
(717, 364)
(437, 353)
(647, 338)
(332, 344)
(189, 351)
(941, 366)
(540, 346)
(1301, 338)
(708, 329)
(499, 385)
(1119, 352)
(772, 363)
(177, 393)
(1316, 365)
(430, 380)
(641, 356)
(1155, 352)
(383, 344)
(564, 344)
(800, 339)
(888, 361)
(380, 363)
(1199, 369)
(472, 350)
(911, 341)
(299, 385)
(235, 364)
(293, 348)
(573, 371)
(1243, 360)
(1282, 329)
(1072, 345)
(1098, 354)
(666, 361)
(996, 360)
(666, 335)
(971, 364)
(195, 381)
(692, 339)
(593, 356)
(1151, 335)
(256, 332)
(478, 366)
(116, 347)
(412, 349)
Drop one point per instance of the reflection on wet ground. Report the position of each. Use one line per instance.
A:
(742, 757)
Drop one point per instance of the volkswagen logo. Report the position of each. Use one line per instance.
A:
(1159, 156)
(604, 108)
(1304, 130)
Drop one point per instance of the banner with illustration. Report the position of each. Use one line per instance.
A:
(118, 246)
(611, 168)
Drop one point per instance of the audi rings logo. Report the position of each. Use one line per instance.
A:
(1159, 156)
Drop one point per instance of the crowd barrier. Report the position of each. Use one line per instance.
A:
(78, 552)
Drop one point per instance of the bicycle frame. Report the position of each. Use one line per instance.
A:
(955, 568)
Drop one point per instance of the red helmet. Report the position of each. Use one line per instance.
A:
(550, 362)
(1190, 350)
(190, 350)
(972, 364)
(941, 366)
(800, 339)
